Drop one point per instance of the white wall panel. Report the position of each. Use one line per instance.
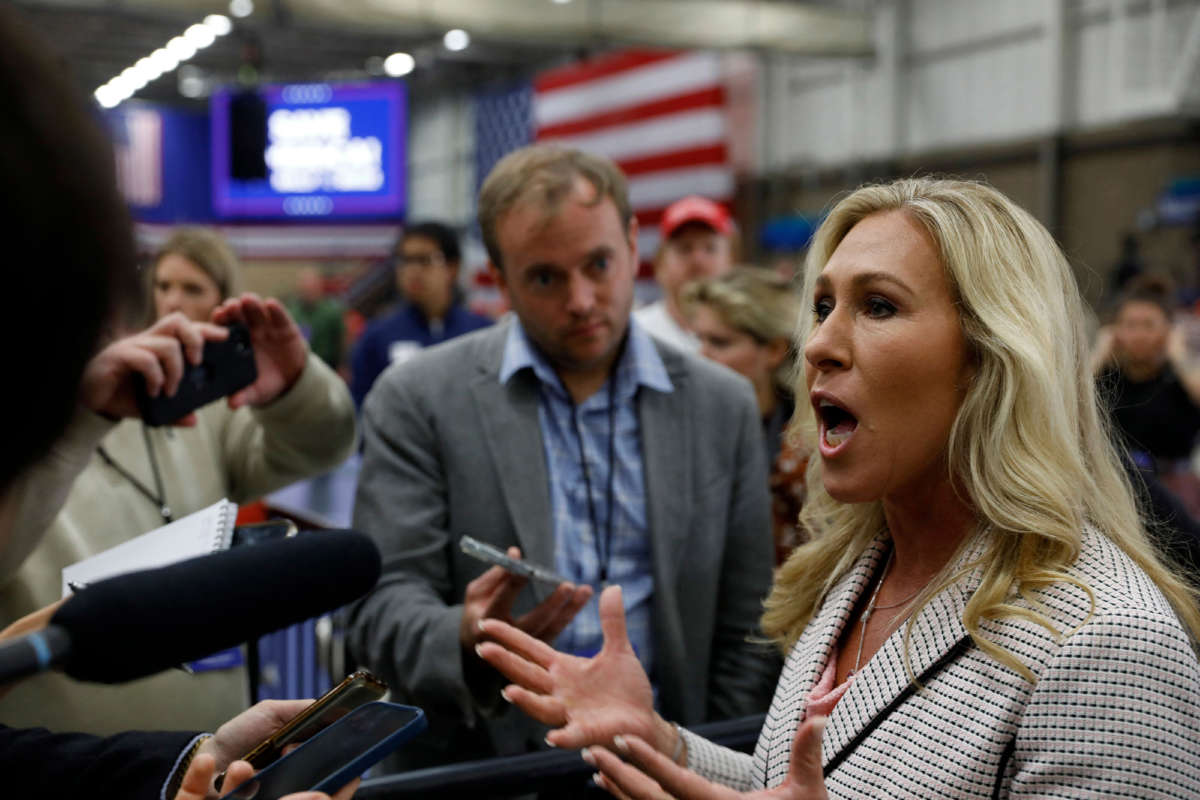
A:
(937, 24)
(979, 71)
(1126, 64)
(979, 97)
(828, 114)
(441, 160)
(971, 72)
(874, 129)
(1095, 93)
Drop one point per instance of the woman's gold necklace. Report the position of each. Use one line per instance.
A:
(871, 608)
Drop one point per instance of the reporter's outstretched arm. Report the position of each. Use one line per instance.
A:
(127, 766)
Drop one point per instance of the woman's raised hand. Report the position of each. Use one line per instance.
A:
(587, 700)
(643, 773)
(280, 351)
(606, 702)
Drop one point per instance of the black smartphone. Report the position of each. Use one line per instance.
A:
(357, 689)
(259, 532)
(338, 754)
(226, 367)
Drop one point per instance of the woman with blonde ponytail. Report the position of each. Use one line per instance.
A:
(980, 612)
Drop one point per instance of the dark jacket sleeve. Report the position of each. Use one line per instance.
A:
(128, 766)
(744, 668)
(364, 367)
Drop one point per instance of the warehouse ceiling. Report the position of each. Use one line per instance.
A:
(322, 40)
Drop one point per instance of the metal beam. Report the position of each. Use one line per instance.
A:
(719, 24)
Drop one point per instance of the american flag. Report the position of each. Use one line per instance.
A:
(503, 123)
(661, 115)
(138, 149)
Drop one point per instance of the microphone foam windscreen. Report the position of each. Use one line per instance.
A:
(141, 623)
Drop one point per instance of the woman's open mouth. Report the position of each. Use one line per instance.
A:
(837, 424)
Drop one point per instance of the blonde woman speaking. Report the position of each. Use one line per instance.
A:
(980, 612)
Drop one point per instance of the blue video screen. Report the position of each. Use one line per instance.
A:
(332, 151)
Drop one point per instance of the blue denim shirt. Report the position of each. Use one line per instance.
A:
(622, 544)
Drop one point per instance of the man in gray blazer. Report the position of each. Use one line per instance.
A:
(568, 433)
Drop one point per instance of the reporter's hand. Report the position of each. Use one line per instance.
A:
(158, 354)
(491, 595)
(587, 700)
(34, 621)
(27, 624)
(235, 738)
(280, 351)
(198, 780)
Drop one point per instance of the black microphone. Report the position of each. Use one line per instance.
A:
(137, 624)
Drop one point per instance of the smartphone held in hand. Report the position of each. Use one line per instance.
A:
(356, 690)
(491, 555)
(227, 366)
(338, 754)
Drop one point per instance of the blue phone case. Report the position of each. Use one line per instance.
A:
(336, 755)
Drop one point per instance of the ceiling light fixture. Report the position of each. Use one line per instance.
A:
(135, 78)
(456, 39)
(219, 24)
(163, 61)
(168, 58)
(107, 96)
(200, 35)
(120, 87)
(192, 83)
(399, 64)
(181, 48)
(145, 66)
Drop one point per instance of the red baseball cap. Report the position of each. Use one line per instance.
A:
(695, 208)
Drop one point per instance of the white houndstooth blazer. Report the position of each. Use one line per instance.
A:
(1115, 711)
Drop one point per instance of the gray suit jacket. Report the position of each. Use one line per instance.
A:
(449, 451)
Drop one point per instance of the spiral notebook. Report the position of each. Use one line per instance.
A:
(206, 531)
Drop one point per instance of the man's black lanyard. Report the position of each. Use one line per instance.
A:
(159, 498)
(603, 546)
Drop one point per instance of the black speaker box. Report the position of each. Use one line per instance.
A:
(247, 137)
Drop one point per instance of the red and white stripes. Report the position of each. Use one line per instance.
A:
(661, 115)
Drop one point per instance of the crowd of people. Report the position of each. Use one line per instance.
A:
(899, 504)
